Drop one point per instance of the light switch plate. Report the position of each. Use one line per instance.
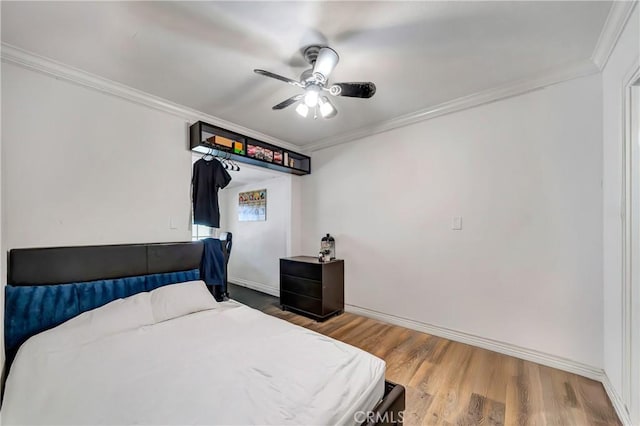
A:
(456, 223)
(172, 224)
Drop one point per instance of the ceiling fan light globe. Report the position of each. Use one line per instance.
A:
(327, 110)
(302, 109)
(311, 96)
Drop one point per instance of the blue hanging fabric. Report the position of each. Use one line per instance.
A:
(212, 265)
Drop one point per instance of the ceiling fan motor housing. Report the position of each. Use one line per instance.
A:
(311, 54)
(306, 75)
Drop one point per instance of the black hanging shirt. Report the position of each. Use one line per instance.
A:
(208, 177)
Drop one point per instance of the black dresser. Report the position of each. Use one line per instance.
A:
(312, 288)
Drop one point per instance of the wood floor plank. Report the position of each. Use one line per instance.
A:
(494, 413)
(598, 410)
(492, 376)
(450, 383)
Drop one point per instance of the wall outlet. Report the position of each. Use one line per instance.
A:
(456, 223)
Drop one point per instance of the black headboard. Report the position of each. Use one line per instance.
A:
(57, 265)
(84, 264)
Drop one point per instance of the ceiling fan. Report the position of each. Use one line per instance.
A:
(315, 81)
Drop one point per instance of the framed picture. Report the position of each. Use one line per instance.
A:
(251, 151)
(252, 206)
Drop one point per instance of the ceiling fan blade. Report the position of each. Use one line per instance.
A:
(325, 62)
(365, 89)
(292, 100)
(278, 77)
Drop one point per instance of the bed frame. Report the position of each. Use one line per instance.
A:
(61, 265)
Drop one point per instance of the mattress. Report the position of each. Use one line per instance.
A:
(230, 365)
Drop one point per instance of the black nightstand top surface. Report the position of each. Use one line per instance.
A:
(309, 259)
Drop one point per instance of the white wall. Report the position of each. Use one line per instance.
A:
(82, 167)
(618, 67)
(258, 246)
(3, 259)
(525, 175)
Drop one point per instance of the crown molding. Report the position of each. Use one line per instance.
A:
(29, 60)
(34, 62)
(569, 72)
(614, 25)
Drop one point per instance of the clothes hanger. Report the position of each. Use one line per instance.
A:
(209, 154)
(227, 162)
(223, 160)
(218, 157)
(235, 167)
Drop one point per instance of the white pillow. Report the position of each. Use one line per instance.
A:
(114, 317)
(122, 314)
(117, 315)
(176, 300)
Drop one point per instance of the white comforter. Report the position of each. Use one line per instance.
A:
(230, 365)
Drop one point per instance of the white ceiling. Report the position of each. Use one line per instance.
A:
(202, 54)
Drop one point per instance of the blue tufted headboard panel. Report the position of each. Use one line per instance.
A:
(47, 286)
(32, 309)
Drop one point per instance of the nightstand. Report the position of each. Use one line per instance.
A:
(312, 288)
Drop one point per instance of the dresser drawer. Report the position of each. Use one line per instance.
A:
(308, 304)
(301, 269)
(301, 286)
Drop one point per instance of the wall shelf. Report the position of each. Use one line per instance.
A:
(207, 138)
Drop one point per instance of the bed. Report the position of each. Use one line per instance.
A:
(158, 349)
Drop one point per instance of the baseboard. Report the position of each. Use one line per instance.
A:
(616, 400)
(255, 286)
(482, 342)
(507, 349)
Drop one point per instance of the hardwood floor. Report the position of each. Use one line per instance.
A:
(450, 383)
